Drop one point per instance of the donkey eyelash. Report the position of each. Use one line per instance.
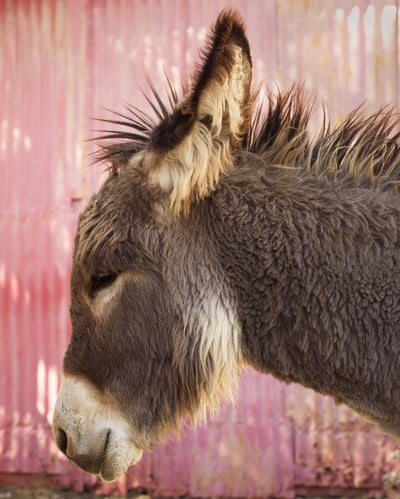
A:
(100, 282)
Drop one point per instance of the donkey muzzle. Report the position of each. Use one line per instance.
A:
(91, 432)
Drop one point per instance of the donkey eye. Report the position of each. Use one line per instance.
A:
(101, 281)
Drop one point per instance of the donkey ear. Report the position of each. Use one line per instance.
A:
(190, 149)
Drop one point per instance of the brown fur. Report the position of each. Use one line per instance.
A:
(286, 259)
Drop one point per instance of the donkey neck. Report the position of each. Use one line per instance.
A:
(315, 270)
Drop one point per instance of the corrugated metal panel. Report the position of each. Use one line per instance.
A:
(62, 63)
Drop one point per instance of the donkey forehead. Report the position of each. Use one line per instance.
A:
(115, 224)
(122, 191)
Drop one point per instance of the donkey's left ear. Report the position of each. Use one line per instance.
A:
(190, 149)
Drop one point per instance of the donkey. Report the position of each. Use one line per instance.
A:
(227, 236)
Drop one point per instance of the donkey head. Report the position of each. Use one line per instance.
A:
(155, 337)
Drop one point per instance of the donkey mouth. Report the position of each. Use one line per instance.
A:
(114, 462)
(108, 461)
(104, 472)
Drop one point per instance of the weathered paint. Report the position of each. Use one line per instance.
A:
(62, 63)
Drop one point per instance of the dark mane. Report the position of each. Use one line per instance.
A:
(361, 147)
(117, 146)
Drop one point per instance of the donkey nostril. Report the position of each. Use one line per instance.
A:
(62, 440)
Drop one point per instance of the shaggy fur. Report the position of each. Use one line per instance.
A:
(281, 252)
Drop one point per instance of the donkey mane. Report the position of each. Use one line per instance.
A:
(137, 128)
(361, 148)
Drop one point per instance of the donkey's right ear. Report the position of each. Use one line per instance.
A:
(190, 149)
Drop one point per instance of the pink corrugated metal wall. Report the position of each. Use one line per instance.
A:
(62, 63)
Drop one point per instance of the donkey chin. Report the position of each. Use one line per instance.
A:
(100, 439)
